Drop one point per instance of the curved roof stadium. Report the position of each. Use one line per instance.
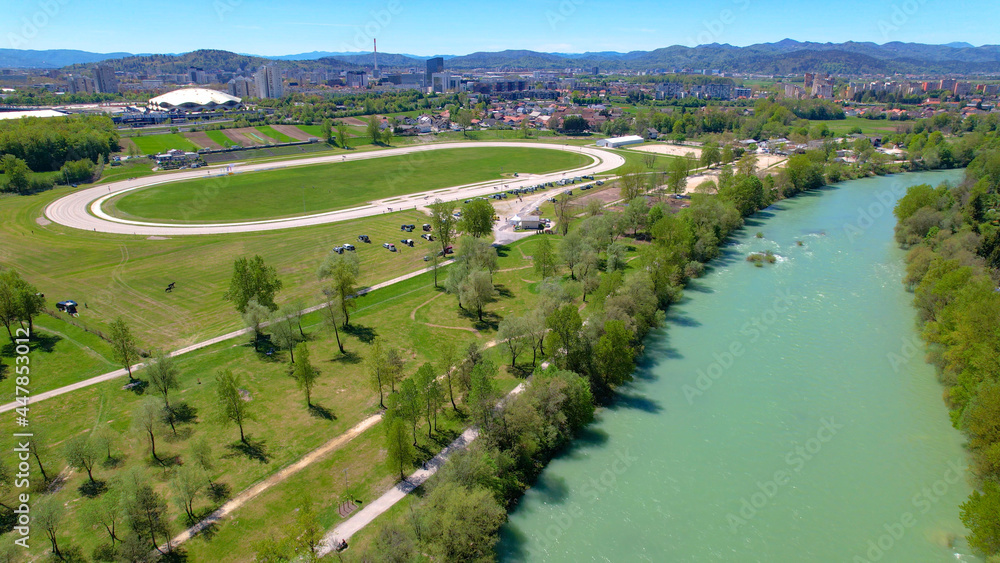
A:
(194, 99)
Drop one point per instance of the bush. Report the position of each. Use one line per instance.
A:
(77, 171)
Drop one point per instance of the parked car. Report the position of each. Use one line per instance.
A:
(447, 250)
(349, 247)
(364, 238)
(427, 237)
(339, 250)
(407, 242)
(426, 227)
(388, 245)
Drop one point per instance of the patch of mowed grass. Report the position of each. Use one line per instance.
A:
(274, 134)
(220, 138)
(157, 144)
(312, 189)
(126, 275)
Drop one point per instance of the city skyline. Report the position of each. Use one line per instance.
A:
(453, 28)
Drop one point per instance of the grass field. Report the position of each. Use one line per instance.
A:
(312, 189)
(275, 134)
(156, 144)
(868, 126)
(219, 137)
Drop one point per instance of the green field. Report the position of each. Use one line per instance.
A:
(219, 137)
(312, 189)
(275, 134)
(311, 130)
(868, 126)
(156, 144)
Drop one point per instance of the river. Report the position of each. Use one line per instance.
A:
(784, 414)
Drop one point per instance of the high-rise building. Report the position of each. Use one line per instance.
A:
(242, 87)
(107, 83)
(269, 84)
(434, 66)
(81, 85)
(356, 79)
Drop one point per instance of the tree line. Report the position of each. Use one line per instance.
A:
(953, 270)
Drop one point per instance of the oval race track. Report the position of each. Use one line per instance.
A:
(82, 210)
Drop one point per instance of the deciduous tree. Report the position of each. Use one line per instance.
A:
(123, 344)
(342, 271)
(233, 408)
(305, 374)
(253, 279)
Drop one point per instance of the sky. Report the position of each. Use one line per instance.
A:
(458, 27)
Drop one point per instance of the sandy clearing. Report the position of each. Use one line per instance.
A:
(292, 131)
(202, 140)
(670, 150)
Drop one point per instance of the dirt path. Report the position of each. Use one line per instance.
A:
(282, 475)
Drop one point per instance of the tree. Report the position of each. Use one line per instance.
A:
(17, 171)
(40, 437)
(233, 408)
(564, 324)
(399, 451)
(105, 511)
(374, 130)
(254, 317)
(148, 419)
(710, 154)
(746, 193)
(201, 454)
(477, 218)
(525, 128)
(631, 183)
(462, 524)
(20, 301)
(162, 375)
(187, 483)
(387, 135)
(574, 124)
(82, 453)
(431, 393)
(586, 271)
(747, 166)
(479, 254)
(326, 130)
(447, 366)
(981, 515)
(123, 344)
(332, 317)
(282, 330)
(483, 392)
(342, 130)
(464, 120)
(614, 355)
(677, 173)
(48, 515)
(305, 374)
(571, 249)
(442, 222)
(310, 532)
(477, 290)
(253, 279)
(378, 367)
(342, 270)
(145, 510)
(544, 257)
(512, 332)
(409, 405)
(564, 214)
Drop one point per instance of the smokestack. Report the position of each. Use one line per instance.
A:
(375, 54)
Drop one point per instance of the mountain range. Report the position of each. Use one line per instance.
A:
(783, 57)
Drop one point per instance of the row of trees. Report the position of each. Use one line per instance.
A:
(20, 302)
(952, 268)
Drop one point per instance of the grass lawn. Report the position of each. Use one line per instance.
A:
(868, 126)
(311, 130)
(130, 169)
(157, 144)
(219, 137)
(275, 134)
(312, 189)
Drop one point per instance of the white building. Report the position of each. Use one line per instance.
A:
(528, 222)
(618, 142)
(269, 84)
(194, 99)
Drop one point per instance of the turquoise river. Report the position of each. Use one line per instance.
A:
(784, 414)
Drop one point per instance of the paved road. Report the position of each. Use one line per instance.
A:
(82, 210)
(234, 334)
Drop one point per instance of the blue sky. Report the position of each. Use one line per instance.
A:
(460, 27)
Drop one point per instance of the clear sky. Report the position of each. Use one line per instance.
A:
(462, 26)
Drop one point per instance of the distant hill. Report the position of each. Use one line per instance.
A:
(56, 58)
(785, 56)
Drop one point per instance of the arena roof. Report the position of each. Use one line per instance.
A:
(31, 113)
(194, 99)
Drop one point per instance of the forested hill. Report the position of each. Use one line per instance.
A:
(211, 61)
(783, 57)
